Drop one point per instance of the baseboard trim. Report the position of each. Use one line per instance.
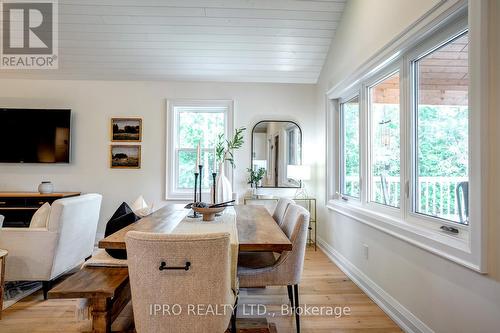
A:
(395, 310)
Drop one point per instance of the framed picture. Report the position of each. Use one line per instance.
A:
(126, 129)
(125, 157)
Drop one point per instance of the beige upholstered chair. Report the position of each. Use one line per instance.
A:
(279, 211)
(196, 272)
(43, 254)
(261, 269)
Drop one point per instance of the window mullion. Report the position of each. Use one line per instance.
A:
(405, 136)
(364, 142)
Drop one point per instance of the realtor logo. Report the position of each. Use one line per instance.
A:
(29, 34)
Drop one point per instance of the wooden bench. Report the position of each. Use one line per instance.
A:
(106, 288)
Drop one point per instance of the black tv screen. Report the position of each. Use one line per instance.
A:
(35, 136)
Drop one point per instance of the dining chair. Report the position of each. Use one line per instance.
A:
(279, 211)
(263, 269)
(172, 276)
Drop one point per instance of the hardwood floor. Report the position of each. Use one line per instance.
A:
(323, 285)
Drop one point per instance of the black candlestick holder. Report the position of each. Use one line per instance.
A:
(214, 175)
(200, 168)
(195, 214)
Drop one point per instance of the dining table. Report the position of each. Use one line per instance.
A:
(256, 228)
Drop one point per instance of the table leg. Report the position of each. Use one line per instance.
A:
(101, 315)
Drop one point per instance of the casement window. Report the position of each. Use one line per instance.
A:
(385, 159)
(441, 131)
(406, 150)
(350, 154)
(191, 123)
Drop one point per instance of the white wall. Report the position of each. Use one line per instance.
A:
(93, 103)
(445, 296)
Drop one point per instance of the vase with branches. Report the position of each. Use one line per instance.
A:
(224, 151)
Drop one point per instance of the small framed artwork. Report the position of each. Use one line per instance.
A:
(125, 157)
(126, 129)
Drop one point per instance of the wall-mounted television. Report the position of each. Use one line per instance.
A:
(35, 135)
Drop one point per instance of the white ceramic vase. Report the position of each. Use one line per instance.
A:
(223, 188)
(46, 187)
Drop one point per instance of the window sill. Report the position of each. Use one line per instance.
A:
(445, 245)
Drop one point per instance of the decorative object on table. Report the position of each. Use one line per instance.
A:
(126, 129)
(209, 211)
(125, 157)
(224, 151)
(198, 174)
(255, 177)
(300, 173)
(214, 181)
(46, 187)
(121, 218)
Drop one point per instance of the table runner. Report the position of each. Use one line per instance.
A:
(224, 223)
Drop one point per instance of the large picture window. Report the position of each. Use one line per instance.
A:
(409, 147)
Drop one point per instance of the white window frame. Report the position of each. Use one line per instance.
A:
(341, 158)
(171, 170)
(469, 247)
(434, 43)
(388, 71)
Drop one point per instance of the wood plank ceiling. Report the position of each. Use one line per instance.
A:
(212, 40)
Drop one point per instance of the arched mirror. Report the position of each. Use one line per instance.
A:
(277, 148)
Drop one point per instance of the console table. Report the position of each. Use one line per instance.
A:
(307, 203)
(19, 207)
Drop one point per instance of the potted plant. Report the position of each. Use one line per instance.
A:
(224, 151)
(255, 177)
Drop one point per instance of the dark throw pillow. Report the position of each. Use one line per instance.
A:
(123, 217)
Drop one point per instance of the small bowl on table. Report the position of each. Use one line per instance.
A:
(208, 213)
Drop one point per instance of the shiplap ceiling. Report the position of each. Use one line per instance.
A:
(216, 40)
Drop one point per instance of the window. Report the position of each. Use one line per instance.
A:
(415, 134)
(350, 168)
(441, 161)
(193, 123)
(385, 144)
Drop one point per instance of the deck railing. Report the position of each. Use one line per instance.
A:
(436, 196)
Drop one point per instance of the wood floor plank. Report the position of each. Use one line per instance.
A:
(323, 284)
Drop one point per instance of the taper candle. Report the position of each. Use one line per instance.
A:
(198, 157)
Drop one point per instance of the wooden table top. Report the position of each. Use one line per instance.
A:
(37, 194)
(257, 230)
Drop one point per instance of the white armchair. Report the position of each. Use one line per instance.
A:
(43, 254)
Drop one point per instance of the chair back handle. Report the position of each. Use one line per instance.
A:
(163, 266)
